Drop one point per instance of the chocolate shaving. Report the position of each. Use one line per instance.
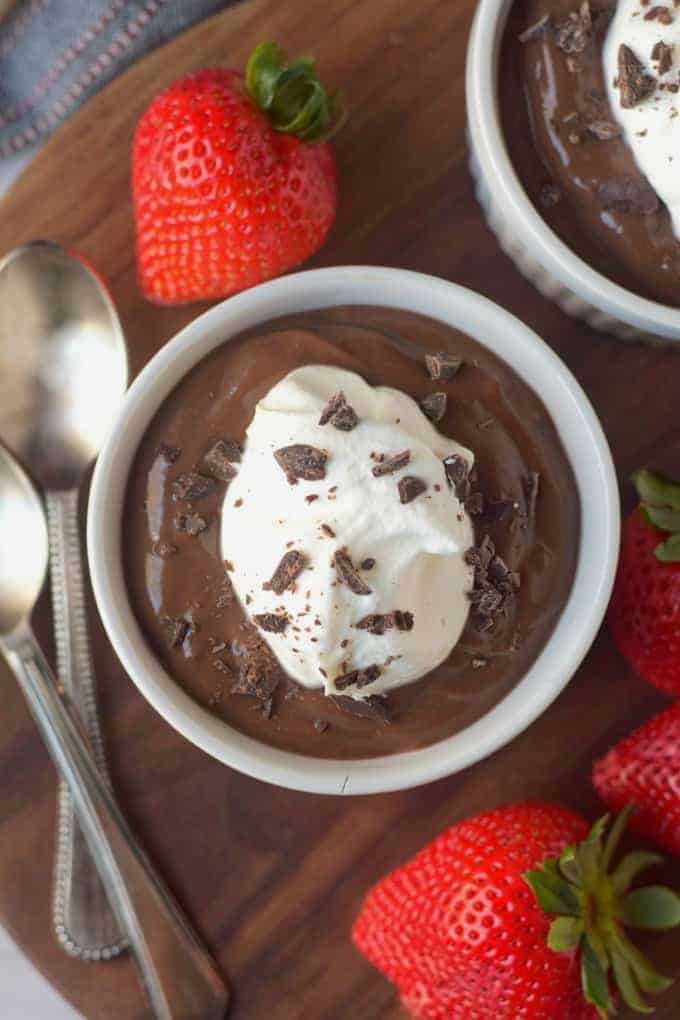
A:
(410, 488)
(348, 575)
(474, 504)
(392, 464)
(327, 530)
(573, 34)
(191, 524)
(443, 365)
(231, 450)
(163, 549)
(169, 453)
(633, 82)
(333, 405)
(403, 620)
(357, 678)
(222, 667)
(457, 469)
(502, 577)
(345, 418)
(226, 596)
(604, 130)
(192, 486)
(368, 563)
(290, 567)
(339, 413)
(538, 28)
(659, 13)
(576, 127)
(259, 671)
(628, 195)
(253, 682)
(176, 630)
(497, 509)
(273, 623)
(487, 601)
(219, 459)
(376, 706)
(378, 623)
(550, 195)
(434, 406)
(495, 585)
(301, 461)
(662, 54)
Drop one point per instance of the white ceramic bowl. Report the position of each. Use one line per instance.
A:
(522, 232)
(584, 443)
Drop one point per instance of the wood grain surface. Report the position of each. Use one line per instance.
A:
(271, 878)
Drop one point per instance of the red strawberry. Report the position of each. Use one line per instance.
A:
(232, 182)
(461, 928)
(644, 770)
(644, 615)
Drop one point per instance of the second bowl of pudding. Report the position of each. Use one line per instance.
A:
(572, 125)
(338, 540)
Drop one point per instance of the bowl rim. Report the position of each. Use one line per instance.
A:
(584, 443)
(488, 143)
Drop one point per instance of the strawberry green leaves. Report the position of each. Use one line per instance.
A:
(565, 934)
(669, 551)
(656, 489)
(554, 893)
(631, 866)
(594, 981)
(291, 95)
(627, 983)
(263, 72)
(655, 907)
(660, 506)
(594, 904)
(647, 978)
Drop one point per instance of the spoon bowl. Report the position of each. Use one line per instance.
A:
(63, 374)
(23, 544)
(63, 362)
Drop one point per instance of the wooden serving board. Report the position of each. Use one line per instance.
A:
(271, 878)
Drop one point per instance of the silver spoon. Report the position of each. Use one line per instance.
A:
(63, 373)
(178, 976)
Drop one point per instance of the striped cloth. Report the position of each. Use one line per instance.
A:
(56, 53)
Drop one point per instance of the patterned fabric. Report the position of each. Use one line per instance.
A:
(56, 53)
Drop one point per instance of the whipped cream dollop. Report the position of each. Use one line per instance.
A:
(651, 127)
(363, 556)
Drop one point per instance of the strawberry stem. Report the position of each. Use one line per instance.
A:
(593, 904)
(660, 507)
(291, 96)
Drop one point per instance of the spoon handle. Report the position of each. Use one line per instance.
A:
(83, 920)
(178, 976)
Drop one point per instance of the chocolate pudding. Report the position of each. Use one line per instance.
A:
(560, 103)
(189, 556)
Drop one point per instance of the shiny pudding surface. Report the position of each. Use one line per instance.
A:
(175, 575)
(554, 106)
